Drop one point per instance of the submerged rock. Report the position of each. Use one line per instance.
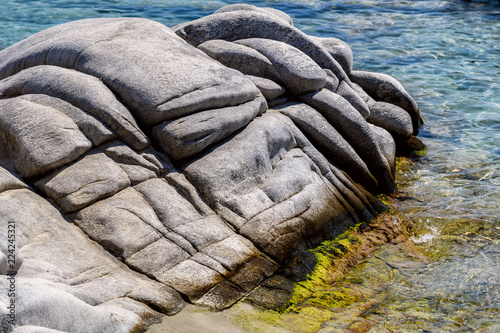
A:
(145, 167)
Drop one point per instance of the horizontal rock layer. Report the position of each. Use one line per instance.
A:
(143, 166)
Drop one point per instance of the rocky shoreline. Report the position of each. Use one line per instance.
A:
(328, 290)
(145, 167)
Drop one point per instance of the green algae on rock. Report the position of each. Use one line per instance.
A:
(330, 288)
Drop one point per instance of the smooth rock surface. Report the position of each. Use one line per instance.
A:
(266, 10)
(191, 134)
(328, 140)
(385, 88)
(352, 126)
(84, 91)
(236, 25)
(36, 138)
(386, 144)
(332, 82)
(353, 98)
(294, 69)
(339, 50)
(269, 89)
(240, 57)
(392, 118)
(134, 58)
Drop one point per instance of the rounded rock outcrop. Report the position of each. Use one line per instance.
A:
(385, 88)
(191, 162)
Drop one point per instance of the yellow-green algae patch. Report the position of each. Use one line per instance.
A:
(350, 276)
(325, 293)
(377, 290)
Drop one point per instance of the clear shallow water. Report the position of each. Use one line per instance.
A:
(446, 54)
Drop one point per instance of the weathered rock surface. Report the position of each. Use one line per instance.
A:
(92, 178)
(69, 283)
(344, 90)
(144, 168)
(244, 24)
(269, 89)
(240, 57)
(187, 136)
(328, 140)
(266, 10)
(339, 50)
(37, 138)
(83, 91)
(385, 88)
(392, 118)
(294, 69)
(354, 128)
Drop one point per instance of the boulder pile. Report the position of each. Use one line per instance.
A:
(143, 167)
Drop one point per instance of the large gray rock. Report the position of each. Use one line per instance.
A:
(267, 188)
(240, 57)
(189, 135)
(71, 314)
(275, 60)
(84, 182)
(63, 267)
(386, 144)
(358, 202)
(111, 222)
(265, 10)
(392, 118)
(269, 89)
(137, 167)
(141, 61)
(353, 98)
(89, 125)
(122, 154)
(328, 140)
(160, 173)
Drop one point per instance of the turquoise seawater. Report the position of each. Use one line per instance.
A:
(445, 53)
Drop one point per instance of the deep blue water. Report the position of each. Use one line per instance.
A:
(445, 53)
